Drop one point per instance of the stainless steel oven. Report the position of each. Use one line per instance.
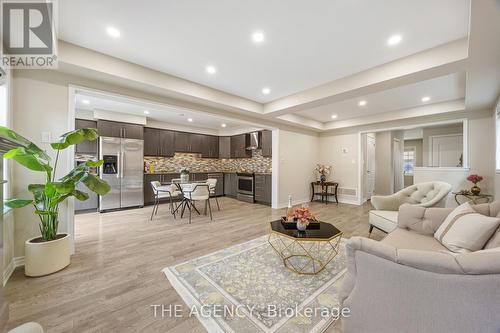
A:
(246, 187)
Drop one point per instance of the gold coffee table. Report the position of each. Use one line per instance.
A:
(305, 252)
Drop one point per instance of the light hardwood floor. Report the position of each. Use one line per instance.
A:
(115, 275)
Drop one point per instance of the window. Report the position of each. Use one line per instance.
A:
(409, 159)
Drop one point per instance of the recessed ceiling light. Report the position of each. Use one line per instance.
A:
(334, 116)
(190, 120)
(266, 91)
(146, 112)
(258, 37)
(85, 101)
(223, 125)
(362, 103)
(394, 40)
(211, 69)
(113, 32)
(426, 99)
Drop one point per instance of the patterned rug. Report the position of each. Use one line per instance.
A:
(246, 288)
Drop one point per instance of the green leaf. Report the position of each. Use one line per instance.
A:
(91, 163)
(50, 190)
(82, 196)
(96, 184)
(17, 203)
(58, 199)
(27, 159)
(75, 137)
(38, 191)
(30, 147)
(63, 187)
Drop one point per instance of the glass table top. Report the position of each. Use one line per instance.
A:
(315, 231)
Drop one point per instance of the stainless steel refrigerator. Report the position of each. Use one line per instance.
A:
(123, 170)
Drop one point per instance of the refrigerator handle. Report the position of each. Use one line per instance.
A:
(121, 163)
(118, 166)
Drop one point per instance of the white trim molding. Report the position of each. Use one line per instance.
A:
(11, 267)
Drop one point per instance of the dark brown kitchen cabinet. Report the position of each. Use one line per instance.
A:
(188, 142)
(224, 147)
(267, 143)
(86, 147)
(151, 141)
(120, 130)
(210, 146)
(230, 184)
(263, 188)
(158, 142)
(181, 142)
(167, 139)
(239, 145)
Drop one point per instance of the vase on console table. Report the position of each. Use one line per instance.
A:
(475, 190)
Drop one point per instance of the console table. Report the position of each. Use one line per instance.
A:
(328, 189)
(475, 199)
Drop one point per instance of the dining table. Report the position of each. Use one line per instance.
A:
(186, 188)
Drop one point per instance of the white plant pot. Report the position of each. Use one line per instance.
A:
(46, 257)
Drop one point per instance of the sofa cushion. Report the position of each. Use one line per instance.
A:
(406, 239)
(385, 220)
(420, 219)
(465, 230)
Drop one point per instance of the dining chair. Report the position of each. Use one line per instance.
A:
(212, 185)
(194, 193)
(163, 191)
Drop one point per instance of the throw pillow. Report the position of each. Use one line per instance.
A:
(464, 230)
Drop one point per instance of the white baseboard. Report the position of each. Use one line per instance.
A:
(14, 263)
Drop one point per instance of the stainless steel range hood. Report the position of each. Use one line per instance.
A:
(252, 140)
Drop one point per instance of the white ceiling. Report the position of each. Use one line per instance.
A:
(440, 89)
(159, 113)
(307, 43)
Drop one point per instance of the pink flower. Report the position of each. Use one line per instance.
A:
(474, 178)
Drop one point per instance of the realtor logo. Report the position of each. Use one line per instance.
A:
(29, 34)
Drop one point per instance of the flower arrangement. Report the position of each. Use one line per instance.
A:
(184, 171)
(303, 216)
(323, 170)
(475, 179)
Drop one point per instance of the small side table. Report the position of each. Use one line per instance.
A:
(325, 193)
(475, 199)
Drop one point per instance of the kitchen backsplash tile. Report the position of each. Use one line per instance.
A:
(195, 163)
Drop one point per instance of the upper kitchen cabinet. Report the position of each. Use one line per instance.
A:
(158, 142)
(224, 147)
(151, 141)
(86, 147)
(181, 142)
(189, 142)
(120, 130)
(267, 143)
(167, 140)
(239, 146)
(210, 146)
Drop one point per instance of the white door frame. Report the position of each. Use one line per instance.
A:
(465, 124)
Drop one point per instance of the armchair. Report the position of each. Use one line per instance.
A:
(409, 282)
(385, 215)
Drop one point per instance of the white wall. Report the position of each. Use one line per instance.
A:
(297, 159)
(39, 106)
(341, 152)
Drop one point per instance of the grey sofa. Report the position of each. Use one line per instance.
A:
(409, 282)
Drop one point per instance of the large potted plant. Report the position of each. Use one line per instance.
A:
(50, 252)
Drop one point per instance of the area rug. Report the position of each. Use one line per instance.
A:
(246, 288)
